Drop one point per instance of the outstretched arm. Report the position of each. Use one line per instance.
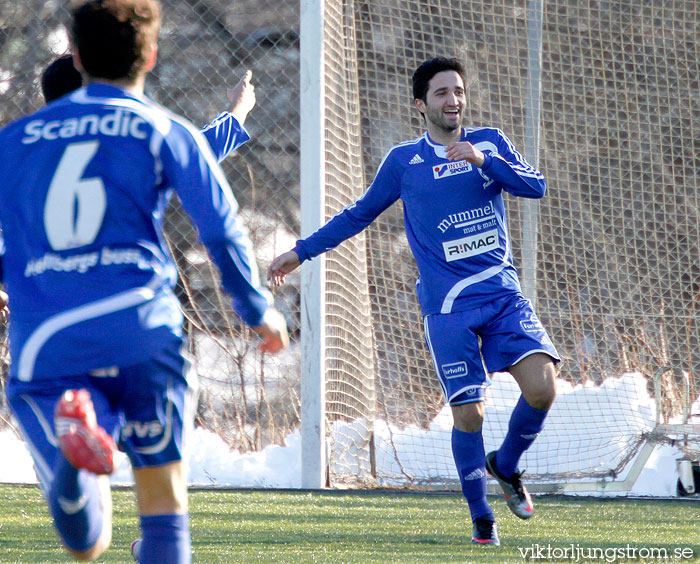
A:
(281, 266)
(384, 191)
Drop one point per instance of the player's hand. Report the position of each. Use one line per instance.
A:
(464, 150)
(273, 331)
(281, 266)
(4, 300)
(242, 97)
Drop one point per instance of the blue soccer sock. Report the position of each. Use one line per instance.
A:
(75, 504)
(468, 452)
(525, 424)
(166, 539)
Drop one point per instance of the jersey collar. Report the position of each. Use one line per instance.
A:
(439, 148)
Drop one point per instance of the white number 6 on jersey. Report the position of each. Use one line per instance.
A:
(74, 206)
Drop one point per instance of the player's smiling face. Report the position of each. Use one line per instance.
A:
(445, 102)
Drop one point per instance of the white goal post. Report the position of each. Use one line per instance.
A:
(313, 273)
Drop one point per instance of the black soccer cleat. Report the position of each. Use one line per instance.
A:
(517, 496)
(485, 532)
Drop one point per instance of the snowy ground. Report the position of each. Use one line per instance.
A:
(213, 463)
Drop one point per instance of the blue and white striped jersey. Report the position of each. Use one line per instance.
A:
(85, 184)
(453, 213)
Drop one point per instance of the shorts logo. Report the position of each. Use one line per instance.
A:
(450, 169)
(532, 325)
(454, 370)
(146, 429)
(470, 246)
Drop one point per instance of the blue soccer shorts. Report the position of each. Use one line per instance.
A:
(468, 345)
(147, 408)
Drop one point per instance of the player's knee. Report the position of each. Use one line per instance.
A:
(542, 401)
(161, 490)
(468, 417)
(537, 378)
(543, 395)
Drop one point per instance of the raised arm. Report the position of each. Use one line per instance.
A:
(226, 133)
(242, 97)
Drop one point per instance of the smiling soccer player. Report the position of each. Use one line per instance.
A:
(451, 181)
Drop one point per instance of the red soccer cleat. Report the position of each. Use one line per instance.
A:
(83, 442)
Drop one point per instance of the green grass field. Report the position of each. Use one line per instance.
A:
(338, 527)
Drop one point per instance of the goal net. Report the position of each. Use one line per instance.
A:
(617, 275)
(615, 272)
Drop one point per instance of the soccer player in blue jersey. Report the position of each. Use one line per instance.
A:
(476, 318)
(96, 339)
(225, 134)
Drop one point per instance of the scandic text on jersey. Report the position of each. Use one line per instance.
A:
(114, 124)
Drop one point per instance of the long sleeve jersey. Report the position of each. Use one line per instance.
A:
(454, 217)
(224, 134)
(85, 183)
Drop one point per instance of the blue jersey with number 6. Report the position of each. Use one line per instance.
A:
(85, 184)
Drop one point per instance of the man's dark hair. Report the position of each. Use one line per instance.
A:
(60, 78)
(429, 69)
(112, 36)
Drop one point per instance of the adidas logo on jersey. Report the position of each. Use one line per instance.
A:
(416, 159)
